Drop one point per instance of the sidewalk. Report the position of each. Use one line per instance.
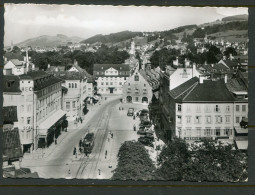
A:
(41, 153)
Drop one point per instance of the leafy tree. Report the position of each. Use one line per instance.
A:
(206, 161)
(230, 50)
(199, 33)
(134, 163)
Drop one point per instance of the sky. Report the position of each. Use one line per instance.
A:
(24, 21)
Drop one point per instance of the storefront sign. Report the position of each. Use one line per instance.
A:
(27, 128)
(26, 89)
(196, 138)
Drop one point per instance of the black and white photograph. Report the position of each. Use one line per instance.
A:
(144, 93)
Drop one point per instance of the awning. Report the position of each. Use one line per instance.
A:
(241, 130)
(242, 145)
(50, 121)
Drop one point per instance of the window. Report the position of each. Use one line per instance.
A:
(128, 84)
(188, 131)
(106, 83)
(227, 131)
(102, 83)
(218, 119)
(188, 108)
(217, 108)
(28, 120)
(137, 99)
(188, 119)
(73, 104)
(70, 85)
(120, 83)
(237, 108)
(197, 119)
(136, 78)
(198, 108)
(179, 107)
(208, 132)
(244, 108)
(208, 119)
(227, 108)
(179, 119)
(75, 85)
(67, 105)
(144, 85)
(199, 132)
(207, 108)
(237, 119)
(217, 131)
(227, 119)
(111, 83)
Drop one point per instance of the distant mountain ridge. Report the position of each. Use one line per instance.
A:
(236, 18)
(49, 41)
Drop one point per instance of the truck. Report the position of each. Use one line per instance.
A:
(88, 142)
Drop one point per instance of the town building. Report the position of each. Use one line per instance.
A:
(40, 116)
(201, 108)
(110, 77)
(140, 86)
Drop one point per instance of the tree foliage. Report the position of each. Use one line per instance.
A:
(230, 50)
(201, 162)
(133, 163)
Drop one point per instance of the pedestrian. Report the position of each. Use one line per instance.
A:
(80, 150)
(119, 108)
(74, 151)
(134, 127)
(80, 142)
(81, 120)
(134, 117)
(111, 135)
(55, 141)
(105, 153)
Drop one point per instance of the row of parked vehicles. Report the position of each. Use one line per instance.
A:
(146, 135)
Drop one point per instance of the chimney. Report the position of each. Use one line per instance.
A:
(27, 60)
(201, 80)
(225, 78)
(231, 56)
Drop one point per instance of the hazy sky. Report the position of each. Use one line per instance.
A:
(23, 21)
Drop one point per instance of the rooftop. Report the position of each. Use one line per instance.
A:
(103, 67)
(11, 83)
(208, 91)
(11, 144)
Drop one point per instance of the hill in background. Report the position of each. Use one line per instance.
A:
(49, 41)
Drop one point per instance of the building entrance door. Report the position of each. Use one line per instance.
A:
(111, 90)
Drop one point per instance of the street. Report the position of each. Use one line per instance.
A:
(101, 120)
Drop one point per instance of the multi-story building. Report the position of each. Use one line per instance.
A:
(139, 87)
(110, 77)
(75, 95)
(40, 116)
(201, 108)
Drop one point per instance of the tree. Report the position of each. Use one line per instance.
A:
(134, 163)
(230, 50)
(206, 161)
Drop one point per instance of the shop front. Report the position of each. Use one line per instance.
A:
(51, 128)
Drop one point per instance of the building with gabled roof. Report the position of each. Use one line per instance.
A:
(202, 108)
(110, 77)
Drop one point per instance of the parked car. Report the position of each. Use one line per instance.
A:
(145, 124)
(144, 112)
(149, 136)
(145, 141)
(141, 132)
(130, 112)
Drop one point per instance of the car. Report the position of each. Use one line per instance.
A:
(145, 141)
(141, 132)
(149, 136)
(144, 112)
(130, 112)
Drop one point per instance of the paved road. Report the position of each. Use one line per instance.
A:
(104, 119)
